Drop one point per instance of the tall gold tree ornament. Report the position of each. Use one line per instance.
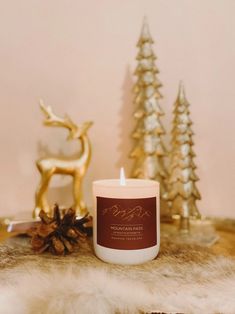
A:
(149, 150)
(182, 190)
(75, 167)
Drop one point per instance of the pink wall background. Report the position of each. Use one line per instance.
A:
(79, 57)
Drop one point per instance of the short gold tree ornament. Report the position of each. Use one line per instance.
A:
(182, 191)
(149, 150)
(75, 167)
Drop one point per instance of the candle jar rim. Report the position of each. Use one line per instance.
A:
(130, 183)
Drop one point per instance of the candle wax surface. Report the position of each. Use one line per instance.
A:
(129, 183)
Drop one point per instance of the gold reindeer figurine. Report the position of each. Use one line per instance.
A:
(76, 167)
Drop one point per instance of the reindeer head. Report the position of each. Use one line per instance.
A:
(75, 131)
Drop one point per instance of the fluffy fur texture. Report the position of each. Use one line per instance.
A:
(183, 279)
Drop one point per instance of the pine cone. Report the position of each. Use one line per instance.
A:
(58, 234)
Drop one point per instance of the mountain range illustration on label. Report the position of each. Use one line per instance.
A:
(127, 214)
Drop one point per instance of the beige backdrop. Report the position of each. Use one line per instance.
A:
(79, 57)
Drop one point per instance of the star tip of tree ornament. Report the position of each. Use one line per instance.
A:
(181, 93)
(145, 33)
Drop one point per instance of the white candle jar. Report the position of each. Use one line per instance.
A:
(126, 221)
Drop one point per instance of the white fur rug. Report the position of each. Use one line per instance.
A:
(183, 279)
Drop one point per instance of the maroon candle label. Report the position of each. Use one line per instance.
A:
(126, 224)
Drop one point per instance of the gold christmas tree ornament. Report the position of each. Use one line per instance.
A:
(149, 150)
(182, 191)
(75, 167)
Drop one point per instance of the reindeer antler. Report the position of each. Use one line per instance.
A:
(54, 120)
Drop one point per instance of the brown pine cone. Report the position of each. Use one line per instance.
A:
(58, 234)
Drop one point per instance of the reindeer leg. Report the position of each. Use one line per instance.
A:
(79, 204)
(40, 197)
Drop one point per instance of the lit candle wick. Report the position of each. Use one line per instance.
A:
(122, 177)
